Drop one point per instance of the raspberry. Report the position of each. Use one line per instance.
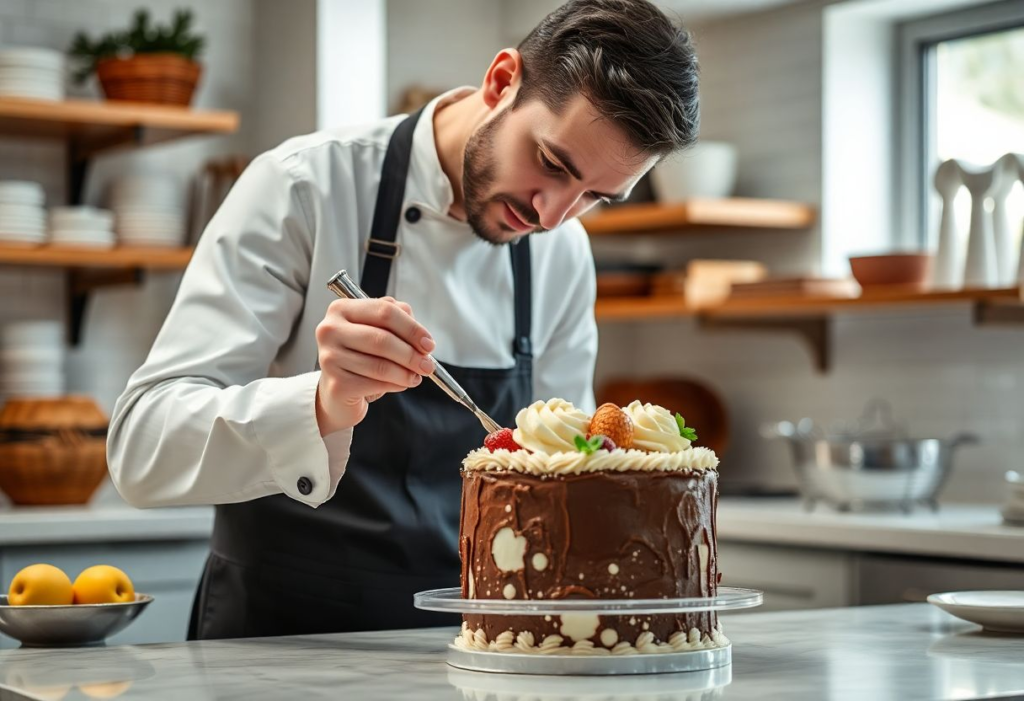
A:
(502, 438)
(606, 442)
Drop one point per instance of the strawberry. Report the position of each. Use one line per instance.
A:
(502, 438)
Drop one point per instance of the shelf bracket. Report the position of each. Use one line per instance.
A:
(81, 282)
(991, 314)
(814, 331)
(79, 156)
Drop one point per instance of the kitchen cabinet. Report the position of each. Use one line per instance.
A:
(887, 579)
(791, 578)
(167, 569)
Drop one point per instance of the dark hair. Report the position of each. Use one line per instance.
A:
(627, 58)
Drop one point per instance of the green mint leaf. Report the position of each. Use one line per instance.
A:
(596, 442)
(684, 431)
(583, 445)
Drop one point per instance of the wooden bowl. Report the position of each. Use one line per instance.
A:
(701, 406)
(615, 284)
(911, 270)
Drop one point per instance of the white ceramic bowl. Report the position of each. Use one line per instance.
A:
(707, 170)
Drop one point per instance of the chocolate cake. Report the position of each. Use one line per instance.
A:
(596, 521)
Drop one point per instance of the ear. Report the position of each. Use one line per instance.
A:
(503, 78)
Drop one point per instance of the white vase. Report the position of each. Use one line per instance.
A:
(1007, 171)
(947, 273)
(980, 268)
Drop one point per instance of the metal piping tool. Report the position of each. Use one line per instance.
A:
(345, 287)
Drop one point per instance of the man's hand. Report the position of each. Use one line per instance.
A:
(366, 347)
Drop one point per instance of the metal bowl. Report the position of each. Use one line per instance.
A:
(860, 474)
(77, 624)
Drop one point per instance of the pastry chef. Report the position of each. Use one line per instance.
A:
(305, 419)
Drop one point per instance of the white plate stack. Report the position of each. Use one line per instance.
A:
(32, 72)
(32, 359)
(22, 216)
(82, 226)
(149, 210)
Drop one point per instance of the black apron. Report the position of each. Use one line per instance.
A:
(279, 567)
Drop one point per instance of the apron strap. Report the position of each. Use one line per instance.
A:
(381, 248)
(522, 280)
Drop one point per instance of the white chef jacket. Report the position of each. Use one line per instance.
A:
(223, 409)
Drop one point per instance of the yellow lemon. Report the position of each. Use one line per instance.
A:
(40, 585)
(105, 690)
(103, 584)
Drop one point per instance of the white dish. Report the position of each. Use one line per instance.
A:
(43, 332)
(31, 56)
(999, 611)
(708, 169)
(21, 209)
(21, 192)
(34, 93)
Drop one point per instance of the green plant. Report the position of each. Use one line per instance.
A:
(142, 37)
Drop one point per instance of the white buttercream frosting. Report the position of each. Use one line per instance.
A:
(548, 431)
(655, 428)
(617, 460)
(550, 427)
(645, 644)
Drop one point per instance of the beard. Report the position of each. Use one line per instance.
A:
(478, 175)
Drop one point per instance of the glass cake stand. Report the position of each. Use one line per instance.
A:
(451, 601)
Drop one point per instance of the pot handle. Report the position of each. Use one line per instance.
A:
(964, 439)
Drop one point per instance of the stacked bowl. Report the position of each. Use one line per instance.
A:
(32, 359)
(32, 73)
(149, 210)
(82, 226)
(22, 216)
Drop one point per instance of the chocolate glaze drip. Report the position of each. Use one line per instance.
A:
(605, 535)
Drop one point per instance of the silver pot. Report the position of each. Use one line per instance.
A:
(872, 470)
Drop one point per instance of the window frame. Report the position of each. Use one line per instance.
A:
(916, 45)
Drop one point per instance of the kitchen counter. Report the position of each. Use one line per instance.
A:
(958, 531)
(880, 652)
(114, 523)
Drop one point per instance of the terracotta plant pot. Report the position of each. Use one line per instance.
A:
(168, 79)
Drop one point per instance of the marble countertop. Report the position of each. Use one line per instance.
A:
(904, 652)
(101, 523)
(968, 531)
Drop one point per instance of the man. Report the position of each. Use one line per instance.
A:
(334, 467)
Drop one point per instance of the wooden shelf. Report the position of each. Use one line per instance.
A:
(639, 308)
(85, 257)
(810, 317)
(97, 125)
(738, 213)
(871, 300)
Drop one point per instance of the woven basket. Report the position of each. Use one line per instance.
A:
(165, 78)
(52, 451)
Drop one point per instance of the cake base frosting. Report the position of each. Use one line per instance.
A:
(601, 534)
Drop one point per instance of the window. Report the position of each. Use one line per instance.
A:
(963, 98)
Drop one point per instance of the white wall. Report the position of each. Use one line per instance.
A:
(284, 72)
(439, 44)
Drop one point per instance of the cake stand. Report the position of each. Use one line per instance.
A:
(451, 601)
